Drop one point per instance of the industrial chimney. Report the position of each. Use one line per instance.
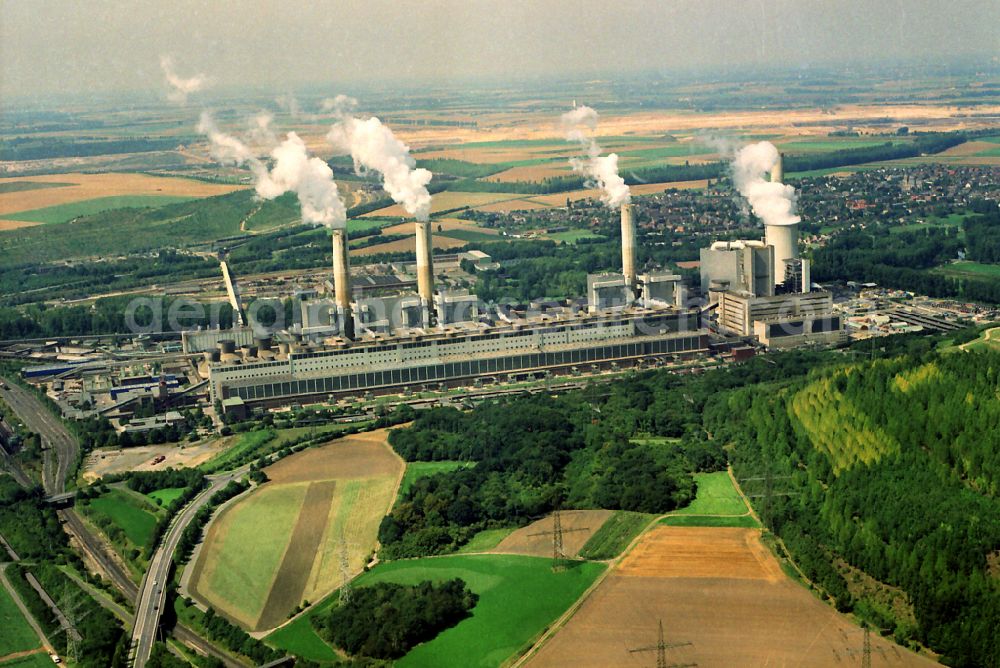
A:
(784, 238)
(342, 282)
(425, 267)
(628, 249)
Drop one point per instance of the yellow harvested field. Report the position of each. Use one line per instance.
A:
(525, 204)
(536, 538)
(439, 224)
(92, 186)
(722, 598)
(7, 225)
(532, 172)
(969, 148)
(445, 201)
(407, 245)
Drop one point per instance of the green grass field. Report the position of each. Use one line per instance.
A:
(21, 186)
(125, 511)
(654, 440)
(485, 540)
(716, 496)
(166, 496)
(264, 520)
(615, 535)
(518, 597)
(745, 522)
(40, 660)
(416, 470)
(971, 269)
(15, 633)
(88, 207)
(572, 236)
(246, 442)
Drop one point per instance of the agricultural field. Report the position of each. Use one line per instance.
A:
(282, 543)
(536, 539)
(718, 589)
(492, 635)
(93, 193)
(446, 201)
(38, 659)
(617, 532)
(988, 340)
(967, 268)
(17, 636)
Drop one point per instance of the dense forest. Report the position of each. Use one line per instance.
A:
(536, 453)
(385, 620)
(893, 467)
(904, 260)
(37, 148)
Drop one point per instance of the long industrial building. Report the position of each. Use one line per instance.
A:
(385, 344)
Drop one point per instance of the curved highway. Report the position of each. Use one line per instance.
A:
(60, 455)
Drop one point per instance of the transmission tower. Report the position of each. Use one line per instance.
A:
(867, 649)
(866, 652)
(558, 554)
(768, 494)
(661, 648)
(70, 605)
(345, 572)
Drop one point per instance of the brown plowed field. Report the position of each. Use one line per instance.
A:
(578, 526)
(719, 589)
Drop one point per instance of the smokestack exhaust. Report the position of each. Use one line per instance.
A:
(628, 249)
(342, 281)
(425, 267)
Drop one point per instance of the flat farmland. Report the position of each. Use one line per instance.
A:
(446, 201)
(281, 544)
(722, 591)
(536, 539)
(518, 597)
(407, 245)
(81, 187)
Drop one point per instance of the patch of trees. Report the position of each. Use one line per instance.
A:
(31, 527)
(536, 453)
(386, 620)
(38, 148)
(922, 145)
(982, 237)
(923, 516)
(900, 261)
(146, 482)
(222, 630)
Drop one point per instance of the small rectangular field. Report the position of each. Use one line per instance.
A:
(282, 543)
(718, 589)
(518, 597)
(127, 511)
(578, 526)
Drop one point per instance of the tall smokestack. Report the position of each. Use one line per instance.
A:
(628, 248)
(425, 265)
(784, 238)
(342, 281)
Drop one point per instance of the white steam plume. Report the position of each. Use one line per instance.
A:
(340, 104)
(289, 103)
(294, 171)
(773, 203)
(372, 145)
(601, 171)
(180, 87)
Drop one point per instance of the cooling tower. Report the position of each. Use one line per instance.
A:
(628, 249)
(784, 238)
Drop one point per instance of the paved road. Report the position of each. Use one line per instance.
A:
(61, 455)
(153, 594)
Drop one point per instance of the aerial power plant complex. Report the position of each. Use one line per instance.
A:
(349, 342)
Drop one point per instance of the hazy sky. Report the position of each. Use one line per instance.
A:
(67, 46)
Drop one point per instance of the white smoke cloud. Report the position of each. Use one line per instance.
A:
(310, 178)
(340, 104)
(601, 171)
(372, 145)
(180, 87)
(289, 103)
(773, 203)
(260, 133)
